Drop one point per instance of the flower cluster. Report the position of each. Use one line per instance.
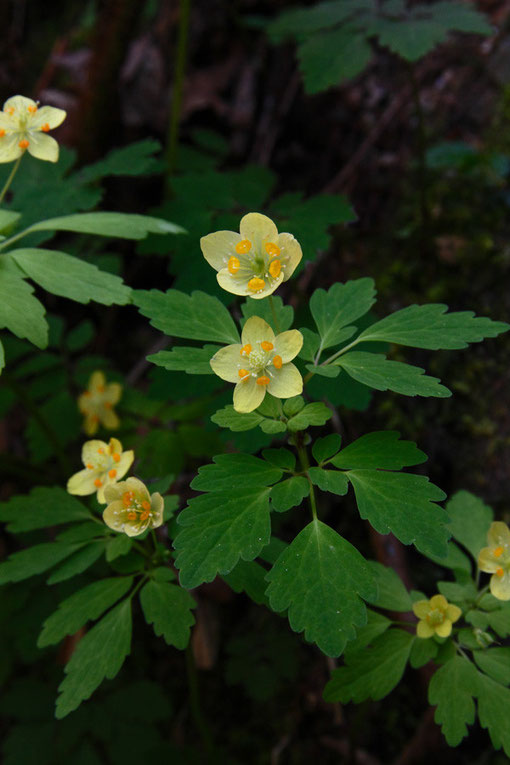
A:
(24, 126)
(97, 402)
(495, 560)
(436, 617)
(254, 262)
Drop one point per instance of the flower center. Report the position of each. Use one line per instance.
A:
(138, 509)
(435, 617)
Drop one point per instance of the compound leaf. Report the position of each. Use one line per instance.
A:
(452, 689)
(235, 471)
(381, 449)
(376, 371)
(289, 493)
(341, 304)
(168, 607)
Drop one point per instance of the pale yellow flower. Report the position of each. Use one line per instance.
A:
(97, 402)
(254, 262)
(24, 126)
(131, 508)
(495, 560)
(436, 616)
(260, 363)
(104, 464)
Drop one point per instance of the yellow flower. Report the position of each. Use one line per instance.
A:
(254, 262)
(104, 464)
(96, 403)
(131, 509)
(260, 363)
(436, 616)
(24, 126)
(495, 560)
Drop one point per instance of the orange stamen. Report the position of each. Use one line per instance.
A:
(2, 132)
(10, 110)
(45, 128)
(500, 572)
(100, 451)
(32, 109)
(24, 144)
(233, 265)
(86, 393)
(98, 483)
(256, 284)
(263, 380)
(112, 473)
(127, 498)
(498, 551)
(90, 466)
(277, 362)
(145, 515)
(272, 250)
(100, 388)
(107, 405)
(146, 504)
(245, 350)
(116, 457)
(243, 246)
(243, 373)
(266, 345)
(131, 516)
(274, 268)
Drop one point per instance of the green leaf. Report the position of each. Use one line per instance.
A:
(76, 563)
(118, 546)
(376, 371)
(329, 480)
(112, 224)
(460, 18)
(469, 522)
(324, 448)
(293, 405)
(86, 604)
(410, 38)
(7, 220)
(404, 504)
(452, 689)
(340, 305)
(391, 591)
(375, 626)
(34, 560)
(304, 21)
(422, 652)
(500, 621)
(219, 528)
(494, 711)
(324, 371)
(381, 449)
(249, 577)
(236, 421)
(455, 559)
(132, 160)
(70, 277)
(273, 426)
(495, 662)
(289, 493)
(312, 414)
(168, 607)
(232, 471)
(311, 342)
(198, 316)
(20, 311)
(333, 56)
(2, 356)
(193, 361)
(43, 507)
(280, 458)
(99, 654)
(372, 672)
(429, 326)
(284, 313)
(318, 578)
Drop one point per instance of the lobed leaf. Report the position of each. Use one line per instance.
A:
(469, 522)
(235, 471)
(452, 689)
(43, 507)
(391, 591)
(380, 449)
(20, 311)
(112, 224)
(289, 493)
(193, 361)
(376, 371)
(168, 607)
(339, 306)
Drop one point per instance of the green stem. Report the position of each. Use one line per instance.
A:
(9, 179)
(303, 458)
(180, 68)
(194, 702)
(480, 595)
(273, 311)
(138, 585)
(336, 355)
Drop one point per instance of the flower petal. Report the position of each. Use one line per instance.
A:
(248, 395)
(90, 424)
(114, 446)
(421, 608)
(97, 380)
(486, 560)
(217, 248)
(255, 331)
(109, 419)
(285, 382)
(47, 115)
(259, 229)
(498, 534)
(90, 450)
(288, 344)
(237, 285)
(82, 483)
(500, 586)
(438, 601)
(134, 484)
(112, 393)
(424, 630)
(20, 104)
(115, 514)
(157, 507)
(9, 148)
(125, 462)
(43, 146)
(226, 362)
(445, 629)
(453, 613)
(291, 253)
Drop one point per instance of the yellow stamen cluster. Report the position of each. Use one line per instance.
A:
(260, 359)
